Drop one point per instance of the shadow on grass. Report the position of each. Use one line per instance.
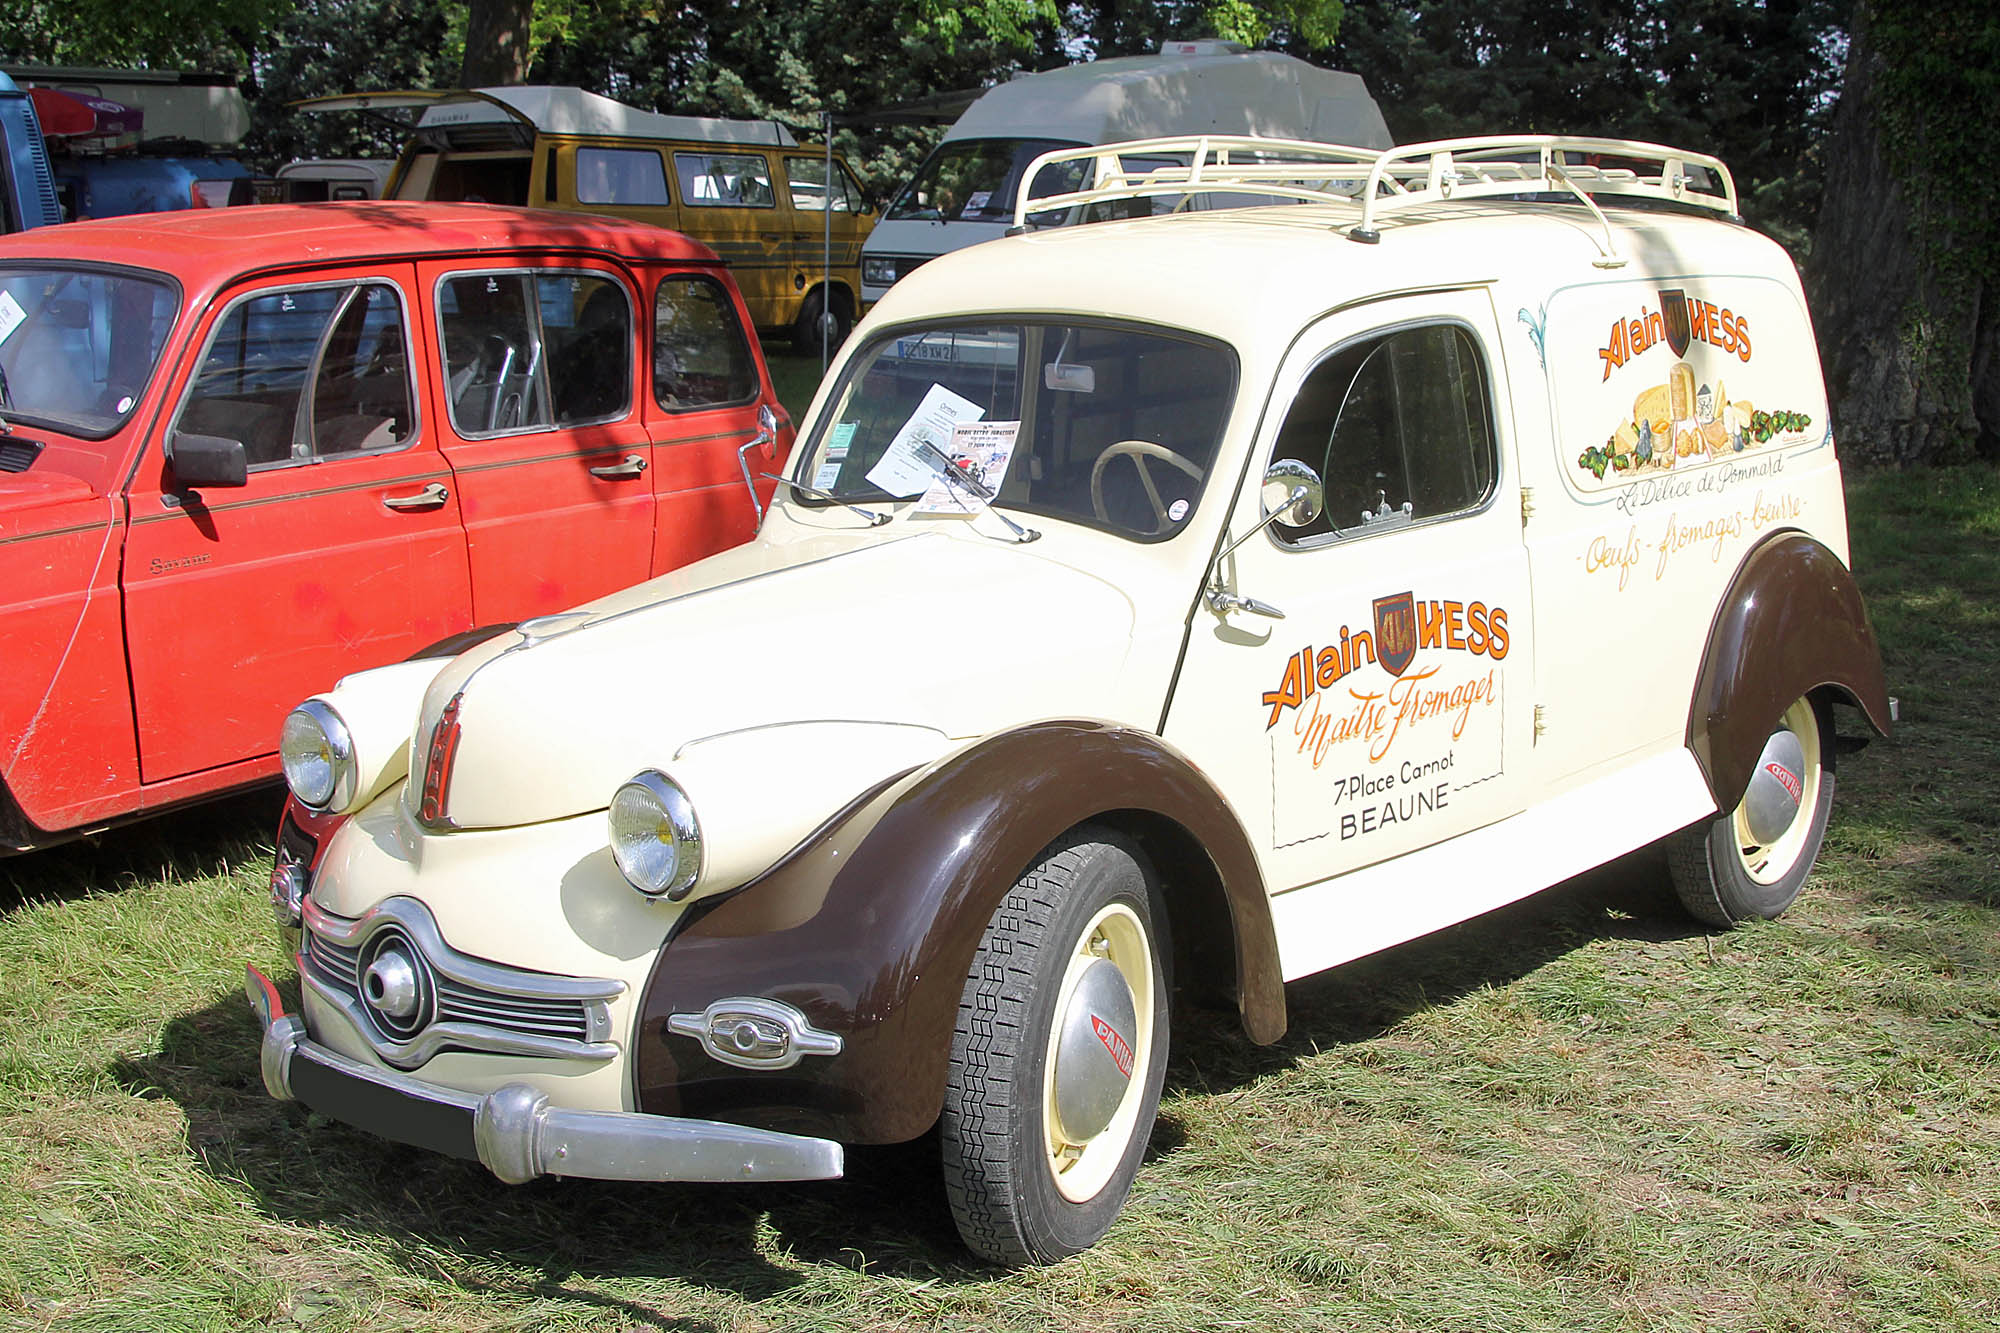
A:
(1631, 898)
(451, 1219)
(211, 838)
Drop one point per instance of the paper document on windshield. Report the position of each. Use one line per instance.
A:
(980, 450)
(906, 467)
(11, 315)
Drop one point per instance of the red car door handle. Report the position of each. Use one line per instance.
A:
(430, 497)
(631, 467)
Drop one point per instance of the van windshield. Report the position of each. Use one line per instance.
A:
(976, 180)
(1111, 426)
(78, 345)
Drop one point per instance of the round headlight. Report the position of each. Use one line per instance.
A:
(654, 836)
(318, 756)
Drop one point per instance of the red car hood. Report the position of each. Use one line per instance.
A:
(21, 491)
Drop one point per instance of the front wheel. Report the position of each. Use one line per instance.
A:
(1752, 861)
(1058, 1055)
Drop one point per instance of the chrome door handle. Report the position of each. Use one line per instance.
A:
(432, 496)
(632, 466)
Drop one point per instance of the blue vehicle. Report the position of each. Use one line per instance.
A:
(27, 190)
(103, 187)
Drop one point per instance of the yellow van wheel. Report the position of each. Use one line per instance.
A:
(815, 310)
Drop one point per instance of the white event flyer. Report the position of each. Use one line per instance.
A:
(906, 468)
(11, 315)
(979, 449)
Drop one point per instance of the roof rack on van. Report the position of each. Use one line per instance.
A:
(1380, 183)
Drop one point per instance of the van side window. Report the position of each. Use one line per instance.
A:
(1398, 427)
(635, 177)
(725, 180)
(809, 192)
(701, 357)
(305, 374)
(529, 351)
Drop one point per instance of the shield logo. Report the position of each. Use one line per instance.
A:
(1396, 631)
(1674, 314)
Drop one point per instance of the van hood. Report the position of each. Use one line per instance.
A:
(960, 634)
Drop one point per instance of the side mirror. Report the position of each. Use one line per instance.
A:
(1293, 494)
(766, 439)
(208, 460)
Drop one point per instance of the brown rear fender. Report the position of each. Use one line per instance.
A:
(869, 926)
(1791, 624)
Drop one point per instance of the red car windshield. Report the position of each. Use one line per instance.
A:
(78, 345)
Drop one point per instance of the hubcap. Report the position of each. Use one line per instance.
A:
(1100, 1050)
(1094, 1052)
(1773, 822)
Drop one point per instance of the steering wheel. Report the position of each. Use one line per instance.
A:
(1137, 450)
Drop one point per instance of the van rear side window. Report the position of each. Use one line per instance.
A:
(725, 180)
(634, 177)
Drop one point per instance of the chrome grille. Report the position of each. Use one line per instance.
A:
(479, 1005)
(459, 1003)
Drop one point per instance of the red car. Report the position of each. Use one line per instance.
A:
(243, 452)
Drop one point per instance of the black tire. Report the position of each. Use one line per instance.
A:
(1020, 1192)
(1722, 869)
(805, 329)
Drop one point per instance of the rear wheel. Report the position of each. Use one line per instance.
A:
(1058, 1056)
(1752, 861)
(814, 311)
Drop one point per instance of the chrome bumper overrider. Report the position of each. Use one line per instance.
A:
(513, 1130)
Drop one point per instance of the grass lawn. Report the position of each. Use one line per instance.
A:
(1581, 1112)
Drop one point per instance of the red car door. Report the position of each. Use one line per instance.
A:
(541, 429)
(708, 379)
(344, 550)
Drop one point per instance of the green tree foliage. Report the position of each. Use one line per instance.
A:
(201, 34)
(1906, 269)
(1750, 82)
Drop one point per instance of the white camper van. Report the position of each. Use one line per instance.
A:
(964, 192)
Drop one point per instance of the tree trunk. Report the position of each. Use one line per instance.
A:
(496, 42)
(1912, 357)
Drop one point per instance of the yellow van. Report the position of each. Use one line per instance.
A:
(788, 217)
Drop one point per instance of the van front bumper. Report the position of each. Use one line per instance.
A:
(514, 1131)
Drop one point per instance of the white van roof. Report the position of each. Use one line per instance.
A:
(1191, 88)
(557, 110)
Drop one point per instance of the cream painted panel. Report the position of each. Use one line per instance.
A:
(545, 896)
(1326, 924)
(1630, 568)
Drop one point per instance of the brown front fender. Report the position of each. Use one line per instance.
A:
(869, 926)
(1791, 623)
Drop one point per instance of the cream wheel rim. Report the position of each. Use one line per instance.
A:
(1769, 862)
(1080, 1170)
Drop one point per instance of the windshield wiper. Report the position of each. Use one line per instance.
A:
(875, 517)
(978, 490)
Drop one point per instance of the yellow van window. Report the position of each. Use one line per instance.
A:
(725, 180)
(629, 176)
(809, 192)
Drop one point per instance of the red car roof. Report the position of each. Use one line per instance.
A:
(202, 247)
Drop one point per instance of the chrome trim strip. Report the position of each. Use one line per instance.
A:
(415, 918)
